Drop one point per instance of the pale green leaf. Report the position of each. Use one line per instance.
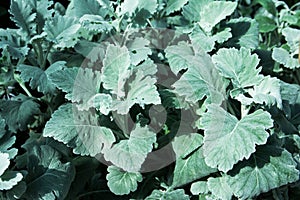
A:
(38, 78)
(283, 57)
(200, 80)
(228, 140)
(141, 90)
(116, 69)
(9, 179)
(62, 31)
(269, 168)
(23, 16)
(18, 112)
(267, 91)
(78, 8)
(120, 182)
(292, 36)
(190, 165)
(202, 40)
(102, 103)
(174, 5)
(138, 50)
(4, 157)
(48, 177)
(192, 10)
(238, 65)
(213, 12)
(95, 24)
(219, 188)
(168, 195)
(130, 154)
(199, 187)
(79, 130)
(178, 56)
(130, 6)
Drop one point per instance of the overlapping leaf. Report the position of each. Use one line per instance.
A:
(8, 179)
(131, 153)
(168, 195)
(48, 178)
(38, 78)
(200, 80)
(228, 140)
(190, 164)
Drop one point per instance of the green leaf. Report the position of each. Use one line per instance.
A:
(78, 8)
(190, 164)
(38, 78)
(141, 90)
(213, 12)
(266, 24)
(283, 57)
(168, 195)
(219, 188)
(174, 5)
(23, 16)
(228, 140)
(62, 31)
(239, 66)
(48, 177)
(18, 112)
(269, 168)
(116, 69)
(200, 80)
(269, 5)
(267, 91)
(79, 130)
(120, 182)
(131, 153)
(10, 41)
(245, 32)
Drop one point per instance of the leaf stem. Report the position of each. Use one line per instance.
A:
(18, 79)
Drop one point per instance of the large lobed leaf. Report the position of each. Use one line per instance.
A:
(239, 66)
(228, 140)
(18, 112)
(79, 130)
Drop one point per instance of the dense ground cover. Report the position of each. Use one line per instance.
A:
(157, 99)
